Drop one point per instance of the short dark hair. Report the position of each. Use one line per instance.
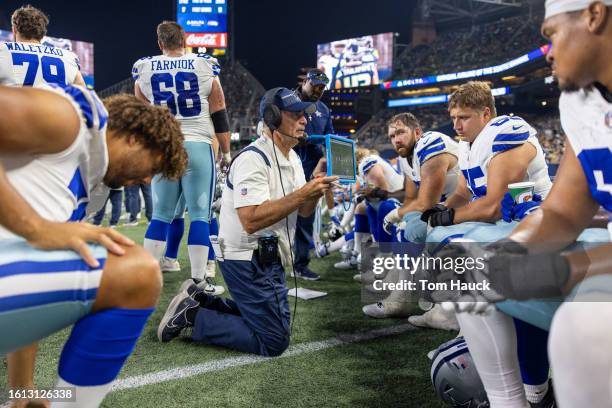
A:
(154, 126)
(30, 22)
(407, 119)
(171, 35)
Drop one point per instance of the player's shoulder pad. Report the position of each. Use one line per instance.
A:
(430, 144)
(91, 107)
(138, 65)
(508, 132)
(368, 162)
(210, 62)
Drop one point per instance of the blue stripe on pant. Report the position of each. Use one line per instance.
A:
(43, 291)
(257, 320)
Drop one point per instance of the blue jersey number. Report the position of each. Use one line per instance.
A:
(187, 99)
(53, 71)
(597, 166)
(470, 176)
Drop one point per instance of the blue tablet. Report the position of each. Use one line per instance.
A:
(340, 157)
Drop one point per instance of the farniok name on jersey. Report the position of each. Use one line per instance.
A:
(182, 84)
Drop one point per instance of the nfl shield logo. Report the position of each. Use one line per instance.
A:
(243, 191)
(609, 120)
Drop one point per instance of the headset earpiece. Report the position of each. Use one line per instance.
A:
(271, 115)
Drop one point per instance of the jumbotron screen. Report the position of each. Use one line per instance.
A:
(361, 61)
(83, 50)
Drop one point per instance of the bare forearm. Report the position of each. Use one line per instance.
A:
(398, 194)
(456, 201)
(224, 141)
(484, 209)
(308, 207)
(549, 227)
(270, 212)
(417, 205)
(583, 264)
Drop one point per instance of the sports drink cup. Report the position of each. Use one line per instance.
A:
(522, 192)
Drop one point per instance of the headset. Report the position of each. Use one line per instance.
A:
(271, 115)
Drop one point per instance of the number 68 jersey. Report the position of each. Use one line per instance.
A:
(32, 64)
(183, 85)
(586, 117)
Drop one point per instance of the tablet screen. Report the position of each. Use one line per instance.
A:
(342, 159)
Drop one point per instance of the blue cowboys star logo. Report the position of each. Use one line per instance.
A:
(608, 119)
(318, 114)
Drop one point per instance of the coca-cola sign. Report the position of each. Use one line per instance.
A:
(208, 40)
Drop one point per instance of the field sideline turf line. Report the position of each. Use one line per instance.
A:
(217, 365)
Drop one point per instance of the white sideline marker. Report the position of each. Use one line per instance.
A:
(218, 365)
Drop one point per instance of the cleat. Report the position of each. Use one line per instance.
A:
(131, 224)
(383, 310)
(321, 250)
(169, 265)
(191, 288)
(346, 264)
(175, 319)
(305, 274)
(435, 319)
(209, 286)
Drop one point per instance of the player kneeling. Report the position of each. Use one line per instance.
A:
(56, 147)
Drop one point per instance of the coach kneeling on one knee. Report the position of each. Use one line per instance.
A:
(264, 193)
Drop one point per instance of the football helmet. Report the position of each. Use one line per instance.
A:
(454, 376)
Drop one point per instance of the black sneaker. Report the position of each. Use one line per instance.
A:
(176, 317)
(306, 274)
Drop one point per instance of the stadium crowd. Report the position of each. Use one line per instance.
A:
(475, 46)
(482, 193)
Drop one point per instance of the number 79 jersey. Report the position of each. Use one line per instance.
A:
(31, 64)
(183, 84)
(586, 118)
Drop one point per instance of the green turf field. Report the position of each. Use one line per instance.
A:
(391, 371)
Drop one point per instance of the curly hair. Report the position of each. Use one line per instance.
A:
(475, 95)
(30, 22)
(153, 126)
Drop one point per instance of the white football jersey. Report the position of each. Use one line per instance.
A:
(429, 145)
(58, 186)
(499, 135)
(393, 177)
(183, 85)
(405, 168)
(30, 64)
(586, 118)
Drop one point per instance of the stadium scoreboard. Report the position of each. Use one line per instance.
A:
(205, 23)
